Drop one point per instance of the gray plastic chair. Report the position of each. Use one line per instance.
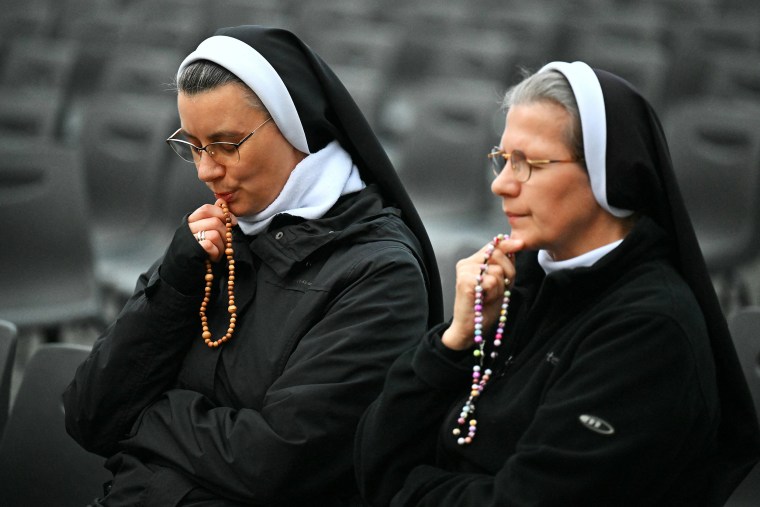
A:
(8, 338)
(715, 147)
(30, 112)
(47, 268)
(745, 330)
(126, 167)
(39, 462)
(443, 143)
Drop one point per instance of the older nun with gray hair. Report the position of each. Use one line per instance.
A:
(587, 361)
(237, 372)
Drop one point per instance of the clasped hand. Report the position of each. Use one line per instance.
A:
(499, 273)
(209, 219)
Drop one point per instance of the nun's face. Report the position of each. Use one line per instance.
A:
(266, 160)
(555, 209)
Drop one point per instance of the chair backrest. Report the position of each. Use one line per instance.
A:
(745, 331)
(715, 147)
(179, 24)
(30, 112)
(47, 270)
(141, 69)
(8, 338)
(442, 158)
(696, 44)
(39, 462)
(124, 152)
(40, 62)
(362, 57)
(735, 75)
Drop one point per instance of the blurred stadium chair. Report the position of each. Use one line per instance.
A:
(249, 12)
(30, 112)
(33, 17)
(141, 70)
(178, 24)
(47, 269)
(363, 61)
(696, 44)
(39, 462)
(125, 158)
(39, 62)
(443, 147)
(715, 147)
(745, 330)
(8, 338)
(182, 193)
(735, 75)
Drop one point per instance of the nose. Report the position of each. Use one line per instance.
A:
(208, 169)
(505, 183)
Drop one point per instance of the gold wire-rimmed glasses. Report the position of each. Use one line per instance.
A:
(522, 167)
(222, 152)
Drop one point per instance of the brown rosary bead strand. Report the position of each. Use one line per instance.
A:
(231, 308)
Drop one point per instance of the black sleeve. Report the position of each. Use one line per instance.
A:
(643, 374)
(400, 429)
(140, 354)
(301, 439)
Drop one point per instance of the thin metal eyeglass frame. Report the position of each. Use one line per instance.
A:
(497, 168)
(197, 149)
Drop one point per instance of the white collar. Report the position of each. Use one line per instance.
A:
(583, 260)
(312, 189)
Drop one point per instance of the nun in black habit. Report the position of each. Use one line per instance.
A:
(237, 372)
(588, 361)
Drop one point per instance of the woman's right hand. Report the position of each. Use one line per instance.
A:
(499, 274)
(209, 218)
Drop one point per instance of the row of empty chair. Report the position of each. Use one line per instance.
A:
(429, 80)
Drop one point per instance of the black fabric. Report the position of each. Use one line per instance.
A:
(622, 340)
(652, 349)
(640, 177)
(328, 112)
(324, 308)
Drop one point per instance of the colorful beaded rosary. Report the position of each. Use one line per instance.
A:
(231, 308)
(481, 376)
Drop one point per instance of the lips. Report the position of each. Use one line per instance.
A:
(226, 196)
(513, 217)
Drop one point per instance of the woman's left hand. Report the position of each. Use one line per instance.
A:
(499, 274)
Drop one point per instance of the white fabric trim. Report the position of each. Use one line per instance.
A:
(584, 260)
(256, 72)
(312, 189)
(590, 99)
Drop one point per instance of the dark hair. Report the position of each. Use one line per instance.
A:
(204, 75)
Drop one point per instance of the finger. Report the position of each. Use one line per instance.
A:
(206, 211)
(509, 246)
(233, 218)
(213, 251)
(207, 225)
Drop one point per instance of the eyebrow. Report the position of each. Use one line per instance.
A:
(216, 136)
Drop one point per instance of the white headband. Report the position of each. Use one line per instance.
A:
(588, 95)
(256, 72)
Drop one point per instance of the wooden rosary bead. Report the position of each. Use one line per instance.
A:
(209, 277)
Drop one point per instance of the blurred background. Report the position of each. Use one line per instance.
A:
(90, 194)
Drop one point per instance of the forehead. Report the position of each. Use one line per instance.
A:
(223, 108)
(536, 125)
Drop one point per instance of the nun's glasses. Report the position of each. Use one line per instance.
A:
(522, 167)
(222, 152)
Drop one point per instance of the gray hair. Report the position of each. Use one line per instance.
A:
(550, 86)
(204, 75)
